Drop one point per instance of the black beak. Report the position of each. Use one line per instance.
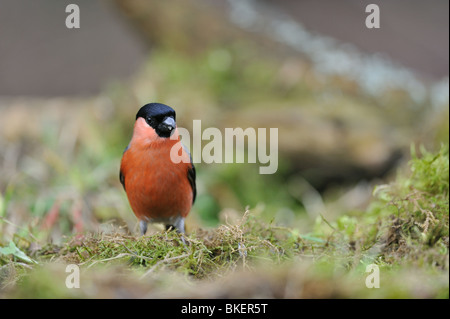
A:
(167, 127)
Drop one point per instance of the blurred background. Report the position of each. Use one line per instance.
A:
(348, 102)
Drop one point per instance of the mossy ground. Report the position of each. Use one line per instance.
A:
(404, 231)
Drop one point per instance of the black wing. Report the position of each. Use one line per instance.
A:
(121, 176)
(191, 178)
(191, 175)
(122, 179)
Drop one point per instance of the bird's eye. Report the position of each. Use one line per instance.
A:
(149, 120)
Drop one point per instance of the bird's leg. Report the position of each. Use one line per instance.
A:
(143, 227)
(179, 226)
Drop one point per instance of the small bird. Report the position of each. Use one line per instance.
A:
(159, 189)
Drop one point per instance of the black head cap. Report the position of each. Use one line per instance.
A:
(159, 116)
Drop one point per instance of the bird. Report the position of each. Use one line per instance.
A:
(159, 189)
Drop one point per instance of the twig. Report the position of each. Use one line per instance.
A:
(160, 262)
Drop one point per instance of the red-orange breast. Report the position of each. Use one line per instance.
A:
(159, 188)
